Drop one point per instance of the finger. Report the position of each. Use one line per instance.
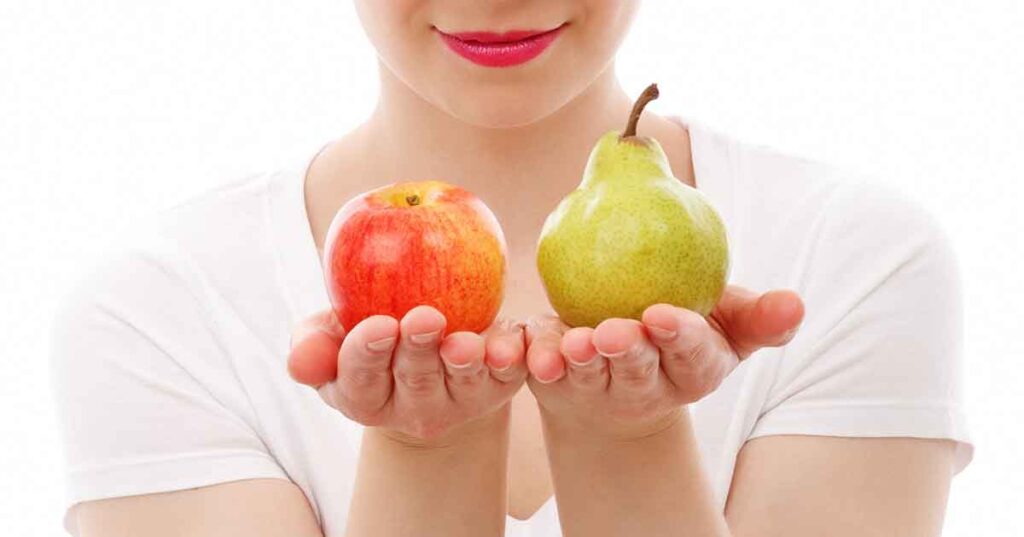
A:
(417, 368)
(506, 352)
(543, 351)
(320, 322)
(695, 356)
(632, 359)
(315, 341)
(587, 369)
(750, 321)
(364, 382)
(465, 373)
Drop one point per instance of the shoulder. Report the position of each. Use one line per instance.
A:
(174, 267)
(790, 211)
(874, 266)
(223, 216)
(144, 350)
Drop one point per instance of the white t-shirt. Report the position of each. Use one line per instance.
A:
(169, 357)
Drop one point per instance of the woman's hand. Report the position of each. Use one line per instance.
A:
(628, 378)
(404, 378)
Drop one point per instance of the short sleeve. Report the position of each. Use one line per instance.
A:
(880, 350)
(146, 399)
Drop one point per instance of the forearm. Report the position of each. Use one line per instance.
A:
(652, 486)
(454, 488)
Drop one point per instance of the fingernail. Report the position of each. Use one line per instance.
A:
(542, 381)
(581, 364)
(423, 339)
(628, 352)
(499, 365)
(661, 333)
(457, 366)
(501, 369)
(381, 345)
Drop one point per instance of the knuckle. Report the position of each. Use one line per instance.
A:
(475, 378)
(637, 374)
(592, 374)
(692, 353)
(418, 382)
(687, 356)
(510, 375)
(364, 377)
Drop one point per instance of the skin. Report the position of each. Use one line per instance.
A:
(598, 416)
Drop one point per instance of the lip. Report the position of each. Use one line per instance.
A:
(506, 49)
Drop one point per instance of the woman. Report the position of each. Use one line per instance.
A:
(181, 418)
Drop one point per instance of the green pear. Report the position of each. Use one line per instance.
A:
(631, 235)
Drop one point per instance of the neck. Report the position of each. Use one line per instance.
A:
(424, 141)
(521, 172)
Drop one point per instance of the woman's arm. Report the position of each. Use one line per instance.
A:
(453, 487)
(623, 453)
(785, 486)
(433, 459)
(622, 449)
(796, 486)
(255, 508)
(651, 484)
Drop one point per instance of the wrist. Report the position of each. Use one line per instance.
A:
(489, 427)
(598, 429)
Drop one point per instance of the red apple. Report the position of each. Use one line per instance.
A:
(422, 243)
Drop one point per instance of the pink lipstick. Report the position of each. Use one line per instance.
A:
(505, 49)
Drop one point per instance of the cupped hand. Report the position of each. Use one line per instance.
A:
(405, 377)
(628, 378)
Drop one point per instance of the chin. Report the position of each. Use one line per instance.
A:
(506, 116)
(504, 107)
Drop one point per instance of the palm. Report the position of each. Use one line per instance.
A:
(404, 376)
(625, 374)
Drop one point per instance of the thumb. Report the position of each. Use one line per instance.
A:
(315, 341)
(750, 321)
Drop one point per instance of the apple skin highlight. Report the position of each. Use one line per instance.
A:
(420, 243)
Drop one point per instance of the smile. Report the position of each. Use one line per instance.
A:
(506, 49)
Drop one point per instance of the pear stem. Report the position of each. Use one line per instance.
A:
(649, 94)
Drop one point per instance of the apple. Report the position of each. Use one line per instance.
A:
(418, 243)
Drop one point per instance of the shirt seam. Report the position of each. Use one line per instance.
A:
(149, 461)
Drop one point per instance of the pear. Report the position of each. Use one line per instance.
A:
(631, 235)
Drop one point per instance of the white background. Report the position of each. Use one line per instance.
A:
(110, 109)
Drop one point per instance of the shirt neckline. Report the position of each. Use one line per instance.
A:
(300, 272)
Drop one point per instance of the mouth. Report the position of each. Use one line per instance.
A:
(506, 49)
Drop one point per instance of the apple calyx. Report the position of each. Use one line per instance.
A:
(413, 200)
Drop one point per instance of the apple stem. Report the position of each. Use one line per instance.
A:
(649, 94)
(413, 200)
